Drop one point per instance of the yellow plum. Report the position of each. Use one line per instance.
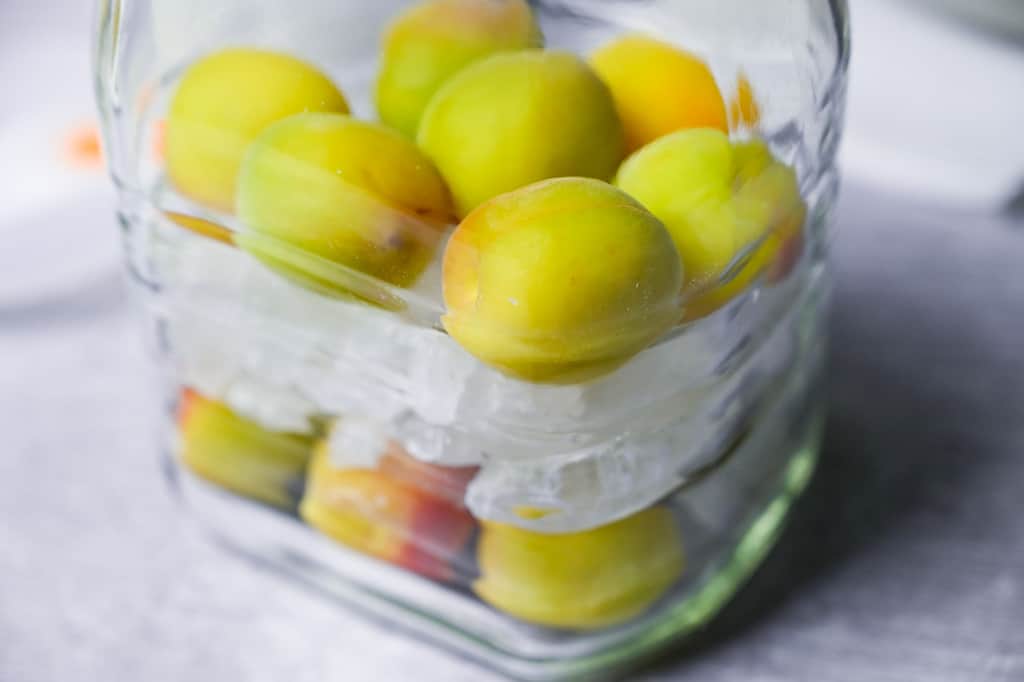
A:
(433, 40)
(744, 109)
(659, 89)
(240, 455)
(225, 100)
(386, 518)
(517, 118)
(718, 200)
(560, 281)
(582, 581)
(349, 192)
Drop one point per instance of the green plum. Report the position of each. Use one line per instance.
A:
(658, 88)
(517, 118)
(560, 281)
(327, 188)
(240, 455)
(433, 40)
(582, 581)
(718, 199)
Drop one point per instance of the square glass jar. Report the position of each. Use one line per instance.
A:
(501, 321)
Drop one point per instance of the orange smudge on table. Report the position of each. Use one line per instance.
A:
(82, 147)
(145, 97)
(187, 401)
(159, 139)
(744, 111)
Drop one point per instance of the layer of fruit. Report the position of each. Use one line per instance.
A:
(240, 455)
(583, 581)
(389, 513)
(551, 275)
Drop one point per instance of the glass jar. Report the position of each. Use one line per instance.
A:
(501, 320)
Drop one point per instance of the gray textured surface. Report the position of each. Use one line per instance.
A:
(906, 560)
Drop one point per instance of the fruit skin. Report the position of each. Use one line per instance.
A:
(444, 482)
(560, 281)
(240, 455)
(658, 89)
(582, 581)
(717, 199)
(518, 118)
(385, 518)
(791, 250)
(744, 109)
(351, 192)
(770, 205)
(434, 40)
(222, 103)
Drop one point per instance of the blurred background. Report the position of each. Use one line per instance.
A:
(100, 580)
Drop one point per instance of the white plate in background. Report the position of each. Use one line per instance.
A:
(936, 108)
(1004, 16)
(57, 224)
